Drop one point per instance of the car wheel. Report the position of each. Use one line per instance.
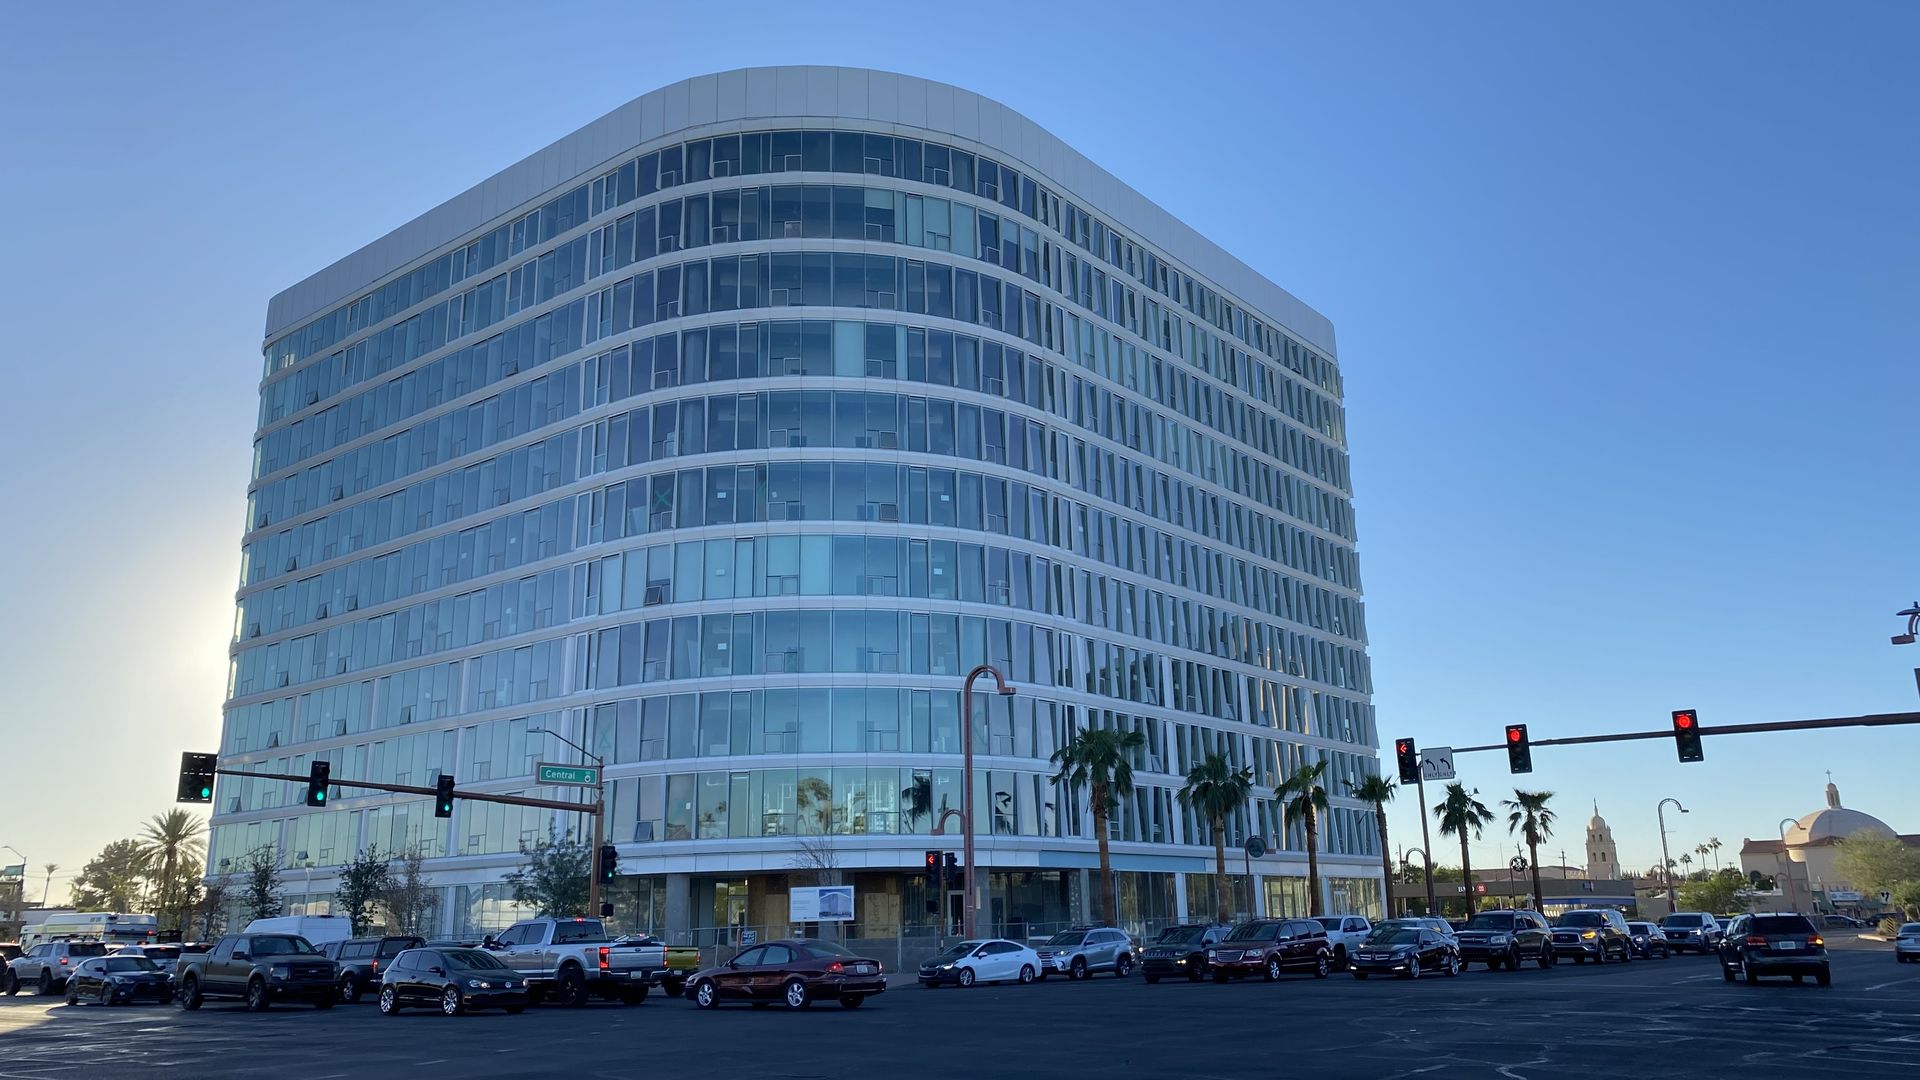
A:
(189, 997)
(1547, 959)
(257, 998)
(1726, 972)
(451, 1003)
(389, 1001)
(1196, 968)
(72, 998)
(1512, 960)
(796, 994)
(8, 982)
(1413, 969)
(852, 1001)
(1825, 978)
(1078, 969)
(705, 995)
(349, 989)
(1272, 972)
(966, 977)
(673, 987)
(1626, 955)
(1026, 974)
(570, 990)
(1123, 966)
(1322, 965)
(1453, 966)
(46, 982)
(1339, 958)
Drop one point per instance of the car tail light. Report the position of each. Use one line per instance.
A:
(63, 961)
(1816, 940)
(376, 965)
(836, 966)
(1756, 939)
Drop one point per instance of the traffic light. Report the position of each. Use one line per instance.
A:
(443, 796)
(317, 782)
(609, 862)
(1519, 749)
(196, 778)
(953, 868)
(933, 869)
(1409, 761)
(1686, 734)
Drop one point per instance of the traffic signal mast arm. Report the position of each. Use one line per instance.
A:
(1870, 720)
(408, 789)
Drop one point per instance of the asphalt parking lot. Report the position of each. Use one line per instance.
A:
(1651, 1018)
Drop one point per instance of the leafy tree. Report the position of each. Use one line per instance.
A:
(1379, 791)
(362, 883)
(409, 896)
(553, 878)
(171, 846)
(111, 880)
(1302, 796)
(1461, 814)
(1529, 816)
(260, 892)
(1100, 760)
(1870, 862)
(209, 913)
(1716, 892)
(1214, 790)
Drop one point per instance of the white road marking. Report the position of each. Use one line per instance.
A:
(1895, 982)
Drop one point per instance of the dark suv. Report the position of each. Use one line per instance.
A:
(1506, 939)
(1267, 947)
(1774, 944)
(363, 960)
(1181, 950)
(1597, 934)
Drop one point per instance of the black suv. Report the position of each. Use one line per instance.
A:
(1506, 939)
(1181, 950)
(1774, 944)
(1597, 934)
(363, 960)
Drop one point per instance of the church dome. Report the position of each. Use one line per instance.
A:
(1835, 822)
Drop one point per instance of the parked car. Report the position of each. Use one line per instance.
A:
(1084, 951)
(164, 957)
(1775, 943)
(1691, 930)
(111, 980)
(46, 966)
(1181, 950)
(1344, 934)
(259, 969)
(1506, 939)
(1841, 922)
(452, 980)
(1407, 952)
(361, 959)
(991, 960)
(1597, 934)
(1430, 922)
(681, 962)
(1906, 944)
(571, 960)
(9, 950)
(794, 973)
(1648, 941)
(1269, 947)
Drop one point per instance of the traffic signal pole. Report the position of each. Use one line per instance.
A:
(599, 838)
(409, 789)
(1869, 720)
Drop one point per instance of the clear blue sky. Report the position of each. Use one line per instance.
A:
(1625, 298)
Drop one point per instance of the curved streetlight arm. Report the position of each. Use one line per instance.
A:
(966, 786)
(584, 752)
(1666, 861)
(16, 851)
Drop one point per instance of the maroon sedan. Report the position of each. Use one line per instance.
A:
(1268, 947)
(794, 973)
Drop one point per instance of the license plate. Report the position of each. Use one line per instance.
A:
(862, 969)
(1786, 946)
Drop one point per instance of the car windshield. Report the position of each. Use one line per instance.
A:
(472, 959)
(1581, 918)
(1180, 935)
(1405, 935)
(961, 950)
(1681, 920)
(1491, 922)
(1640, 927)
(1333, 923)
(1258, 931)
(127, 963)
(1910, 929)
(1780, 924)
(1066, 937)
(276, 945)
(827, 950)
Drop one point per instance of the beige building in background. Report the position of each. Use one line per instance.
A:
(1801, 862)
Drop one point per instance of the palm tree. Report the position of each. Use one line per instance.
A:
(1703, 851)
(1215, 789)
(1300, 795)
(1713, 845)
(46, 887)
(1686, 866)
(918, 798)
(1100, 760)
(1462, 815)
(1379, 791)
(167, 844)
(1528, 815)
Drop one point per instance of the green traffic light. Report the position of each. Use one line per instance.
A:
(206, 793)
(320, 797)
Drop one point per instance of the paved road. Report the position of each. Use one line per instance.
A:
(1649, 1019)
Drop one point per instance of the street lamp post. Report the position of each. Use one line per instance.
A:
(599, 816)
(1666, 864)
(967, 903)
(1426, 860)
(1786, 864)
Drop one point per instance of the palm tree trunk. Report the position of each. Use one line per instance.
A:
(1225, 910)
(1533, 854)
(1313, 862)
(1106, 858)
(1466, 873)
(1386, 863)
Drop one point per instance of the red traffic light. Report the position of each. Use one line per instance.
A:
(933, 859)
(1404, 746)
(1684, 719)
(1514, 734)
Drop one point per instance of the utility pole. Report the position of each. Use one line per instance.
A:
(1426, 842)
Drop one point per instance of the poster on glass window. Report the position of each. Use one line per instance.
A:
(828, 903)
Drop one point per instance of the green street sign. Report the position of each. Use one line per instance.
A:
(575, 775)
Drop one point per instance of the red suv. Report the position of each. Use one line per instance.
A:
(1267, 947)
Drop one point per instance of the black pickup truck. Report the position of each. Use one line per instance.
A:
(258, 969)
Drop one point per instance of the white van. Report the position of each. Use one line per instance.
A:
(112, 927)
(317, 929)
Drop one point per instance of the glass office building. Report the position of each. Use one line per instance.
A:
(722, 437)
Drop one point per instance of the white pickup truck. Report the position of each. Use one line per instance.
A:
(570, 960)
(1344, 934)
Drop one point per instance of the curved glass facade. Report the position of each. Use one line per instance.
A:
(730, 476)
